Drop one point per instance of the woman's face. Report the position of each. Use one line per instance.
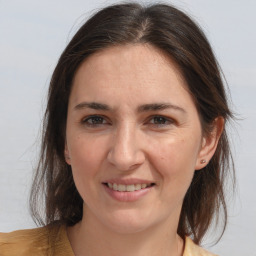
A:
(133, 138)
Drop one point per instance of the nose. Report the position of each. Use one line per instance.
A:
(125, 153)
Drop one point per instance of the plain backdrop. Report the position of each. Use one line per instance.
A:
(33, 35)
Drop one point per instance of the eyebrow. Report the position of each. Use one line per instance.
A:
(159, 106)
(140, 109)
(93, 105)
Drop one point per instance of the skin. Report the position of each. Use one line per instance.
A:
(163, 146)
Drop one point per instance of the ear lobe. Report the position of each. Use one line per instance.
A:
(209, 143)
(66, 154)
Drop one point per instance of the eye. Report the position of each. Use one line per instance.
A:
(161, 121)
(94, 121)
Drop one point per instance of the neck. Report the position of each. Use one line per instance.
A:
(90, 237)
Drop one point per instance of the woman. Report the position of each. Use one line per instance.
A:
(134, 150)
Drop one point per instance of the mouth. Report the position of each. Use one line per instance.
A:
(128, 188)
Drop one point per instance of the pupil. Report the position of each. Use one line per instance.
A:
(159, 120)
(96, 120)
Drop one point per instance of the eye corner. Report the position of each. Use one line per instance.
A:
(163, 121)
(94, 121)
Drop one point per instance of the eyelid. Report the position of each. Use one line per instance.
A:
(167, 119)
(85, 119)
(105, 121)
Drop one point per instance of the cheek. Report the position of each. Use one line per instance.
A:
(175, 161)
(178, 152)
(86, 157)
(87, 154)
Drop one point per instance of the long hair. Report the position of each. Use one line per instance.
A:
(177, 36)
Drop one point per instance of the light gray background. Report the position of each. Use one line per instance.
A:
(32, 36)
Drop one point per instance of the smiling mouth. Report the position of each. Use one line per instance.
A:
(128, 188)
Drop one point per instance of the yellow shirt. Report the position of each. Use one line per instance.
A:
(35, 242)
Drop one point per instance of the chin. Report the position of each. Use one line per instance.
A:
(125, 222)
(128, 227)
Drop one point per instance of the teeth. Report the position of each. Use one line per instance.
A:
(121, 187)
(127, 188)
(143, 185)
(137, 186)
(130, 188)
(115, 186)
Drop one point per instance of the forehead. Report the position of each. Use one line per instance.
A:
(133, 60)
(129, 71)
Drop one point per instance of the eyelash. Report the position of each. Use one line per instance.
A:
(165, 119)
(102, 118)
(85, 121)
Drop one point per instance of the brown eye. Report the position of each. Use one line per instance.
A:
(94, 121)
(160, 121)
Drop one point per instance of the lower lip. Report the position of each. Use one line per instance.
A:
(127, 196)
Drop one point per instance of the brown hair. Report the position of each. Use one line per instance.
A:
(173, 32)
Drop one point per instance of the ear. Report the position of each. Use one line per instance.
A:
(209, 143)
(66, 154)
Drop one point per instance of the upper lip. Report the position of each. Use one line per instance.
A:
(128, 181)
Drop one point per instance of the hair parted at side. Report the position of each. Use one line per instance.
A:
(177, 36)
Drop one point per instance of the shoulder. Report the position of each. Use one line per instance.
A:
(38, 241)
(191, 249)
(23, 242)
